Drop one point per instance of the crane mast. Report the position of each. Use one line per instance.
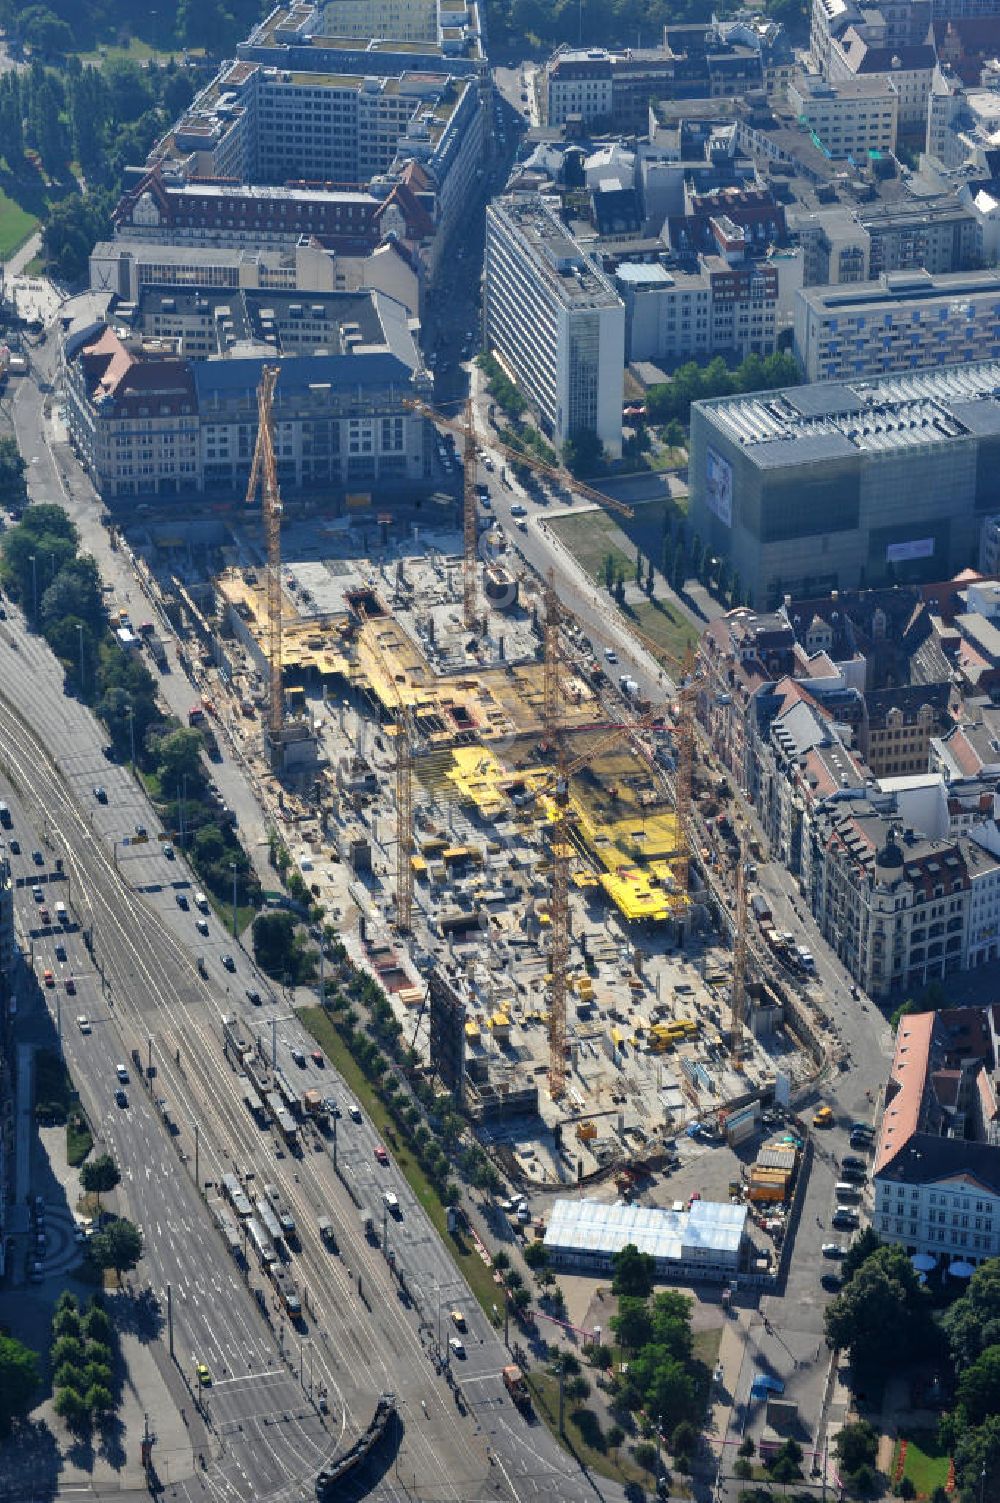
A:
(469, 529)
(264, 471)
(739, 987)
(559, 847)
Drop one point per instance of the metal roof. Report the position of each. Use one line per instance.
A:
(590, 1226)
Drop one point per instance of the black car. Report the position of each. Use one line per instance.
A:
(832, 1282)
(101, 794)
(180, 899)
(254, 997)
(121, 1099)
(15, 848)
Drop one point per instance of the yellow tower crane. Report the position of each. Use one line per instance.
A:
(560, 848)
(739, 986)
(466, 427)
(403, 749)
(264, 471)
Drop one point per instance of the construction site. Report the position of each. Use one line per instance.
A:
(495, 818)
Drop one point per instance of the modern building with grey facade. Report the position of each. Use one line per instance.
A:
(841, 485)
(554, 322)
(903, 321)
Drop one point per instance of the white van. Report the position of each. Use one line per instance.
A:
(201, 902)
(846, 1191)
(61, 914)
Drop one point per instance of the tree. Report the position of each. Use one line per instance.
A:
(98, 1399)
(880, 1317)
(856, 1445)
(67, 1349)
(100, 1176)
(583, 452)
(18, 1380)
(96, 1325)
(645, 1455)
(178, 755)
(66, 1322)
(671, 1321)
(667, 1386)
(12, 467)
(978, 1461)
(633, 1272)
(684, 1441)
(861, 1249)
(535, 1254)
(118, 1246)
(979, 1386)
(274, 942)
(71, 1407)
(632, 1324)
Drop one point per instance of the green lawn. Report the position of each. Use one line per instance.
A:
(16, 225)
(665, 624)
(926, 1462)
(137, 51)
(590, 536)
(705, 1346)
(479, 1277)
(620, 1467)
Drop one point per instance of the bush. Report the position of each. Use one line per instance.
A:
(645, 1455)
(906, 1488)
(743, 1467)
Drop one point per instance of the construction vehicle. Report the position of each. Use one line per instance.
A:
(514, 1382)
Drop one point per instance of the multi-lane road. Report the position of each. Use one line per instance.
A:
(139, 988)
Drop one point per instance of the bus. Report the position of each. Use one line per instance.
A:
(268, 1219)
(233, 1191)
(230, 1234)
(282, 1119)
(255, 1109)
(290, 1099)
(285, 1286)
(260, 1242)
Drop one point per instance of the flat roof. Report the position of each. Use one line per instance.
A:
(831, 419)
(557, 255)
(899, 287)
(590, 1226)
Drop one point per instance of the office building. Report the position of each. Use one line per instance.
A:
(838, 484)
(554, 322)
(149, 421)
(848, 118)
(350, 141)
(936, 1174)
(903, 321)
(675, 315)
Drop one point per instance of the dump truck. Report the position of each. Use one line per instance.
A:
(513, 1381)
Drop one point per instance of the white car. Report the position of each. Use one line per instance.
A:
(833, 1250)
(83, 1023)
(457, 1345)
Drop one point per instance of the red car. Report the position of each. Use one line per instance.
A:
(381, 1154)
(49, 979)
(317, 1058)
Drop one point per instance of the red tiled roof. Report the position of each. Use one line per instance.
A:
(905, 1090)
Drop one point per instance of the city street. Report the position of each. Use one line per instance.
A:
(141, 991)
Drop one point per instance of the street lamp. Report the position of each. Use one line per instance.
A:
(232, 867)
(131, 736)
(34, 587)
(79, 629)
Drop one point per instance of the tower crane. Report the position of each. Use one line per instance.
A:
(466, 427)
(264, 471)
(739, 986)
(403, 748)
